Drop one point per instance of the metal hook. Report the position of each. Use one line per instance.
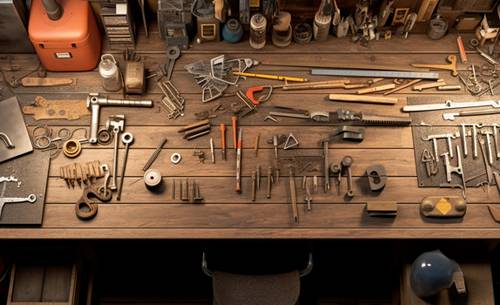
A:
(5, 138)
(302, 273)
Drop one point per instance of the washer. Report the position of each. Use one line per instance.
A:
(175, 158)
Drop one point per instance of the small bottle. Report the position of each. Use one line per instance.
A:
(258, 26)
(110, 73)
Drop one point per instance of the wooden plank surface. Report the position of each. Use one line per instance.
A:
(226, 214)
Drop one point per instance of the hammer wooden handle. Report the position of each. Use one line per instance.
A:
(363, 99)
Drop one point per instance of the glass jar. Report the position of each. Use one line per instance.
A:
(110, 73)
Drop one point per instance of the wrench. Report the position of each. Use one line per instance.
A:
(8, 179)
(346, 165)
(173, 53)
(31, 199)
(116, 123)
(127, 139)
(104, 188)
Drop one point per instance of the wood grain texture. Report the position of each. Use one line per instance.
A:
(224, 213)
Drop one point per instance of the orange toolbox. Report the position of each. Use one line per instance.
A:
(67, 41)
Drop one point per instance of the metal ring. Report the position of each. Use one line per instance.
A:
(64, 133)
(175, 158)
(38, 145)
(127, 138)
(104, 136)
(45, 128)
(72, 148)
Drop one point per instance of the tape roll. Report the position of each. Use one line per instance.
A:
(152, 178)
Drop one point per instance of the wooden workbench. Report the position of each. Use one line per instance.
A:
(226, 214)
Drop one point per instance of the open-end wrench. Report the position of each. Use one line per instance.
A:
(346, 167)
(3, 201)
(127, 139)
(116, 124)
(173, 52)
(104, 188)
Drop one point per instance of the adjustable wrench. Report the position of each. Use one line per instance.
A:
(31, 199)
(127, 139)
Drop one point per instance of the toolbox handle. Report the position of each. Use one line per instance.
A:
(302, 273)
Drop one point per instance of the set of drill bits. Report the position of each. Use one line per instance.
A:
(196, 130)
(78, 173)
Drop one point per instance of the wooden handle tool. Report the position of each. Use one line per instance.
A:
(377, 88)
(363, 99)
(234, 123)
(45, 81)
(223, 140)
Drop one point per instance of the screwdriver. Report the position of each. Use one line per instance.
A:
(238, 162)
(223, 140)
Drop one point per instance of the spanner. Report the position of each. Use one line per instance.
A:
(173, 53)
(31, 199)
(127, 139)
(104, 188)
(116, 124)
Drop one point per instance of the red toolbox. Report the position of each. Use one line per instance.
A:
(70, 43)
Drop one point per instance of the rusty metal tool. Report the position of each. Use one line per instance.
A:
(238, 161)
(451, 66)
(293, 195)
(256, 144)
(194, 125)
(257, 172)
(408, 84)
(254, 185)
(326, 167)
(223, 140)
(269, 181)
(337, 174)
(234, 124)
(155, 154)
(346, 164)
(308, 196)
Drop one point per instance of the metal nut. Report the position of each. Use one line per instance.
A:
(175, 158)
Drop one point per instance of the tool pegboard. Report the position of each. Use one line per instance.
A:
(477, 171)
(31, 172)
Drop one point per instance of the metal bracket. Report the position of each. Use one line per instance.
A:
(8, 142)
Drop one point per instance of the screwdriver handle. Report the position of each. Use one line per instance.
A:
(223, 135)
